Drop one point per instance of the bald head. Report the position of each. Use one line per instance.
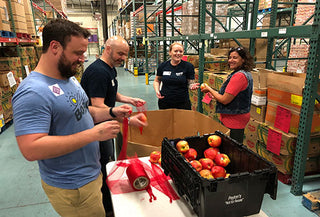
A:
(116, 51)
(116, 41)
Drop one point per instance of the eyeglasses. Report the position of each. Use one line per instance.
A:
(236, 49)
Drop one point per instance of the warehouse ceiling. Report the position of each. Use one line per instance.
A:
(88, 6)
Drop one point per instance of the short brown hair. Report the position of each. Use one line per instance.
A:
(61, 30)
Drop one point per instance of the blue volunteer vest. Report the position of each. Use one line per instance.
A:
(241, 103)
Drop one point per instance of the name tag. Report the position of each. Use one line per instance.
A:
(179, 73)
(166, 73)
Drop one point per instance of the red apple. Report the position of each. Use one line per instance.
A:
(191, 154)
(202, 86)
(218, 171)
(206, 174)
(206, 163)
(196, 164)
(143, 118)
(155, 156)
(222, 160)
(214, 141)
(211, 153)
(159, 161)
(182, 146)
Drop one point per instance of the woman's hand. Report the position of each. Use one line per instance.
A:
(194, 86)
(159, 95)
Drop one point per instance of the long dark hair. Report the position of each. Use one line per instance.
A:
(61, 30)
(245, 55)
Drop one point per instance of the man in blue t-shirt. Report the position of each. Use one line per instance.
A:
(100, 83)
(55, 126)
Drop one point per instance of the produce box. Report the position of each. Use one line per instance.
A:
(170, 123)
(240, 194)
(287, 119)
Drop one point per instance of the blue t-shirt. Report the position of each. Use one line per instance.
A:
(58, 107)
(175, 81)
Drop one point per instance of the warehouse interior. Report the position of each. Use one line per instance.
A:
(282, 35)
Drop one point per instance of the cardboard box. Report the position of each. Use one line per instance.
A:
(259, 77)
(219, 63)
(170, 123)
(272, 119)
(220, 51)
(258, 112)
(194, 60)
(257, 131)
(284, 163)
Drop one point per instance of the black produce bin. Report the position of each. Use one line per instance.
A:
(239, 195)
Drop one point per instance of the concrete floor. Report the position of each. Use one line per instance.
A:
(21, 194)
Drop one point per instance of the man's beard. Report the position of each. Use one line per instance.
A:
(65, 67)
(116, 62)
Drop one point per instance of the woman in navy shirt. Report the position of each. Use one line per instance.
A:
(173, 79)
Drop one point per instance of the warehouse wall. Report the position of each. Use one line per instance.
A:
(86, 20)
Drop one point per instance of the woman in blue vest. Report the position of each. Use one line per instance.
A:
(234, 97)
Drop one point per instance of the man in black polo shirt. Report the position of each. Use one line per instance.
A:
(100, 83)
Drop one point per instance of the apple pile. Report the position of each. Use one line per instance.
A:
(213, 164)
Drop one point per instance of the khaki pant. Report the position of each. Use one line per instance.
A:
(82, 202)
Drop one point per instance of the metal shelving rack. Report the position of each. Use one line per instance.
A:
(133, 6)
(285, 34)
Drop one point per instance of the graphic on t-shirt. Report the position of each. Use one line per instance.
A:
(79, 103)
(56, 90)
(166, 73)
(179, 73)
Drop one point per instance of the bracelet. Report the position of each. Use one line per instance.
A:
(111, 113)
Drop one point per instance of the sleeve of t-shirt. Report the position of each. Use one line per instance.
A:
(190, 71)
(96, 84)
(160, 69)
(237, 83)
(32, 114)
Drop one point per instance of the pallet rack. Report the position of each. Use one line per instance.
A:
(249, 31)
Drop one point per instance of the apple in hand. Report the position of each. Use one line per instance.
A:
(206, 163)
(205, 173)
(182, 146)
(211, 153)
(191, 154)
(214, 141)
(143, 118)
(155, 156)
(203, 85)
(222, 160)
(196, 164)
(218, 171)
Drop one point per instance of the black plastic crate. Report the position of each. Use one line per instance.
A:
(251, 176)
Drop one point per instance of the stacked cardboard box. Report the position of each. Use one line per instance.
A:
(19, 22)
(275, 137)
(9, 81)
(190, 20)
(266, 4)
(279, 147)
(298, 51)
(284, 103)
(4, 22)
(304, 12)
(29, 17)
